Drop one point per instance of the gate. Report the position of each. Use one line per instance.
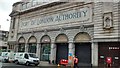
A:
(62, 52)
(83, 52)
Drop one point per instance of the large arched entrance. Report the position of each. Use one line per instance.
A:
(32, 44)
(21, 44)
(83, 49)
(62, 47)
(45, 48)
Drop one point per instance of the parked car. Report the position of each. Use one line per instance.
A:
(11, 56)
(26, 58)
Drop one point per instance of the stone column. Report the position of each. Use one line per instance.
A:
(53, 52)
(94, 54)
(71, 52)
(16, 47)
(26, 47)
(38, 50)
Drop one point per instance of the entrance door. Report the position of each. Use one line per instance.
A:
(32, 48)
(45, 52)
(21, 47)
(83, 52)
(62, 52)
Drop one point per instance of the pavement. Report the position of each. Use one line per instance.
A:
(43, 63)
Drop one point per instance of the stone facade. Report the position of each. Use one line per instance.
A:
(92, 31)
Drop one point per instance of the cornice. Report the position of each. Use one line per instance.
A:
(41, 7)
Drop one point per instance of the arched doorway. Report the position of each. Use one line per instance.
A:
(83, 49)
(45, 48)
(62, 47)
(32, 44)
(21, 44)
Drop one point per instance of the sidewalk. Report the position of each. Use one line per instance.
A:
(43, 63)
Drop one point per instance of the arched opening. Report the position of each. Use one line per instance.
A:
(45, 48)
(32, 42)
(82, 37)
(83, 48)
(21, 44)
(61, 47)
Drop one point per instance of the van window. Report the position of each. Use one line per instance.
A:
(26, 56)
(33, 55)
(6, 53)
(21, 54)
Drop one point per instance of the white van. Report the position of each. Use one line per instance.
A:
(0, 61)
(26, 58)
(11, 56)
(4, 56)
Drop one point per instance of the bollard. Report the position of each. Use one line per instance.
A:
(58, 65)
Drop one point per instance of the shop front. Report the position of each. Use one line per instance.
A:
(109, 50)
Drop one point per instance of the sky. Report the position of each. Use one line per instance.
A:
(5, 10)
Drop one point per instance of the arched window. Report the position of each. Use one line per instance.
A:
(32, 42)
(45, 48)
(21, 44)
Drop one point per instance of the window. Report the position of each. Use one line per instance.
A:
(33, 55)
(21, 47)
(34, 2)
(26, 56)
(28, 5)
(32, 48)
(24, 6)
(45, 52)
(13, 26)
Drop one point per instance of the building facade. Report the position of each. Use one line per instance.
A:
(3, 40)
(59, 30)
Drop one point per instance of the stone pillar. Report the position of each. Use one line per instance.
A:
(26, 47)
(94, 54)
(71, 52)
(38, 50)
(53, 52)
(16, 47)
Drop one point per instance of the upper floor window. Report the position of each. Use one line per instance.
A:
(28, 4)
(34, 2)
(13, 26)
(24, 6)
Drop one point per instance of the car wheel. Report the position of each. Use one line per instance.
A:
(27, 63)
(36, 64)
(16, 62)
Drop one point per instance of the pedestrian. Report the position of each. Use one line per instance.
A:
(76, 62)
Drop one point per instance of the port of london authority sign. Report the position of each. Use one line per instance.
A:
(78, 15)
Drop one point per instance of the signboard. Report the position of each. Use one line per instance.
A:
(69, 16)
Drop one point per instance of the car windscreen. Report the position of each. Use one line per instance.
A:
(33, 55)
(5, 54)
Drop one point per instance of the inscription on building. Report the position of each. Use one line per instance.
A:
(82, 14)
